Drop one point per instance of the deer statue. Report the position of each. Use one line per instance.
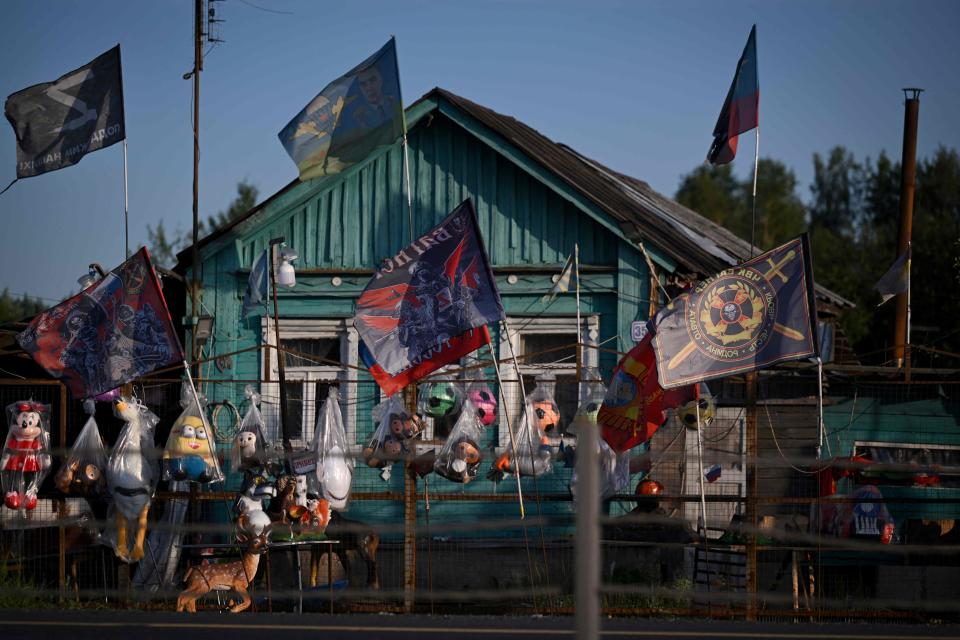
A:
(226, 576)
(132, 474)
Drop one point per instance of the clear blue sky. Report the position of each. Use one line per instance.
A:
(635, 85)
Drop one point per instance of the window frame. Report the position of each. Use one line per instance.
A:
(525, 325)
(341, 329)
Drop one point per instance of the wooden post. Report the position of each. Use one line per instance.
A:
(409, 518)
(61, 503)
(751, 515)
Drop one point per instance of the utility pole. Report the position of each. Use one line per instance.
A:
(908, 164)
(203, 23)
(195, 253)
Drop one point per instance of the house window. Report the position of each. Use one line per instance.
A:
(546, 349)
(317, 355)
(895, 461)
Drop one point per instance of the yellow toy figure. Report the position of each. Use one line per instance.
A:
(189, 454)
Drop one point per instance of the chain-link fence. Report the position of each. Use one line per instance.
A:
(758, 512)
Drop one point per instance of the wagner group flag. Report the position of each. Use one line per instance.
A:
(115, 331)
(57, 123)
(747, 317)
(353, 115)
(741, 109)
(421, 302)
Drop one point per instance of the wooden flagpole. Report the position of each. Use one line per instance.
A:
(506, 415)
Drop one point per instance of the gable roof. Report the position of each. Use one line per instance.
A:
(696, 245)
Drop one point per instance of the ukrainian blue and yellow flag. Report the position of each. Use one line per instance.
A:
(353, 115)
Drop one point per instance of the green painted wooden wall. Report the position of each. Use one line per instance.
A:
(354, 220)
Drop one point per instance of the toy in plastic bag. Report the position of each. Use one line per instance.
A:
(84, 471)
(250, 444)
(438, 399)
(592, 393)
(459, 457)
(482, 398)
(614, 471)
(26, 453)
(334, 462)
(132, 475)
(545, 410)
(386, 446)
(191, 453)
(533, 449)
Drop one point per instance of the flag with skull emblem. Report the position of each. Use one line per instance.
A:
(744, 318)
(112, 332)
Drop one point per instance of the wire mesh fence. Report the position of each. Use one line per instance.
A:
(759, 512)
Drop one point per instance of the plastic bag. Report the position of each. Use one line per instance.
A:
(439, 399)
(84, 471)
(334, 462)
(250, 445)
(485, 402)
(546, 413)
(459, 457)
(26, 453)
(387, 445)
(533, 449)
(191, 453)
(614, 471)
(592, 393)
(132, 476)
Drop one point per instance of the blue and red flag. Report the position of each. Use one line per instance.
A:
(114, 331)
(429, 305)
(741, 109)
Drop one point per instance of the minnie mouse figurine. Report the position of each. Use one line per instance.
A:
(26, 455)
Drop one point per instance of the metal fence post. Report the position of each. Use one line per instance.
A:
(587, 546)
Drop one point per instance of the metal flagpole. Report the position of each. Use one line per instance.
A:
(906, 350)
(406, 170)
(820, 433)
(126, 202)
(756, 164)
(576, 271)
(703, 495)
(506, 415)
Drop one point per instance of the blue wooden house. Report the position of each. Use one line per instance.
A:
(534, 198)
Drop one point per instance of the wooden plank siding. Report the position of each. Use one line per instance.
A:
(356, 220)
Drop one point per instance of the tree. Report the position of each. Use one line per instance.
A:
(162, 250)
(837, 191)
(246, 199)
(714, 192)
(13, 309)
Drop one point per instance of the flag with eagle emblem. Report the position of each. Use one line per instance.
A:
(428, 305)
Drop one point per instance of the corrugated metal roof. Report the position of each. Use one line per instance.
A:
(699, 245)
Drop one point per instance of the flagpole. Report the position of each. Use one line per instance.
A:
(820, 430)
(406, 170)
(576, 267)
(126, 202)
(906, 350)
(506, 414)
(756, 164)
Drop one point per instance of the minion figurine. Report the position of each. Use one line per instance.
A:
(189, 453)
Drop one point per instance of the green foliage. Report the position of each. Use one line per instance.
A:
(714, 192)
(13, 309)
(853, 217)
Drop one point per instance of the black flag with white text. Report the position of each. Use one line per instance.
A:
(57, 123)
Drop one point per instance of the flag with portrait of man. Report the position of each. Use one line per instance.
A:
(353, 116)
